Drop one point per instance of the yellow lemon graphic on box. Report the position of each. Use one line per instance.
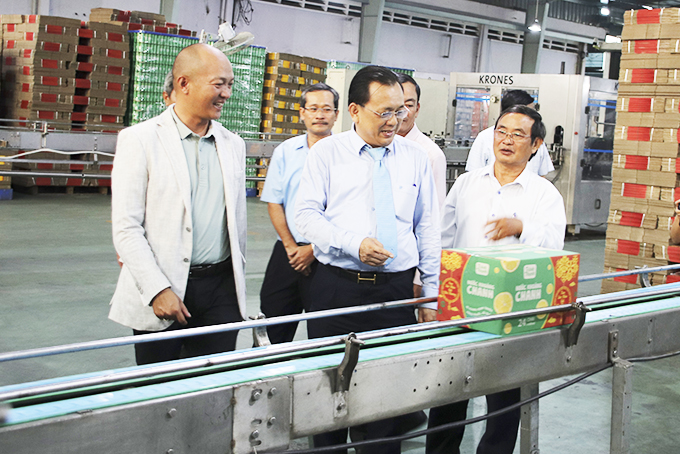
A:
(507, 328)
(510, 265)
(542, 303)
(549, 289)
(502, 303)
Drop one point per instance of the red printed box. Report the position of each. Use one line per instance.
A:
(496, 280)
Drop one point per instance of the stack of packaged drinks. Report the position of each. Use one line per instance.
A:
(241, 113)
(645, 170)
(152, 56)
(285, 78)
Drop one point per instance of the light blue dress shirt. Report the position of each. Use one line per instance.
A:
(283, 179)
(208, 208)
(335, 208)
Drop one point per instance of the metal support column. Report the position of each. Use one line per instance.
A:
(533, 41)
(369, 33)
(166, 8)
(622, 399)
(481, 63)
(528, 442)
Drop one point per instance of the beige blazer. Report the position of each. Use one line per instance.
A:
(151, 216)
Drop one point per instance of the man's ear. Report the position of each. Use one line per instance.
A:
(536, 145)
(353, 110)
(183, 84)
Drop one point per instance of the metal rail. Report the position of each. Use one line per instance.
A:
(129, 340)
(272, 350)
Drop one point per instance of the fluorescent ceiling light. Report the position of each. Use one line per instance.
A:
(604, 11)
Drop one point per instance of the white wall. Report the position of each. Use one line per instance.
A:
(404, 46)
(307, 33)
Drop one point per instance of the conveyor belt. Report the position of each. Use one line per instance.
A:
(456, 363)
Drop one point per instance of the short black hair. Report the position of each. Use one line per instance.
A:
(516, 98)
(537, 129)
(168, 84)
(405, 78)
(358, 88)
(319, 87)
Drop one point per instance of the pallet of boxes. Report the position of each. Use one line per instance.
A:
(38, 70)
(645, 170)
(38, 84)
(285, 77)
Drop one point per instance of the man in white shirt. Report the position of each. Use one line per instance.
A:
(502, 203)
(409, 130)
(482, 154)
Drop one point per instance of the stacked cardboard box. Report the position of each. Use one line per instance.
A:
(138, 20)
(285, 77)
(102, 77)
(38, 71)
(645, 180)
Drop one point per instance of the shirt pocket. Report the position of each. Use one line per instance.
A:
(405, 198)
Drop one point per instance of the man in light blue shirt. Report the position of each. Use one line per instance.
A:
(286, 281)
(367, 254)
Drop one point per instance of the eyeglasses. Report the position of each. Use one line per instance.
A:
(502, 134)
(387, 115)
(324, 110)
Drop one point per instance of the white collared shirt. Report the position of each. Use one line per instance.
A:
(481, 154)
(437, 160)
(477, 198)
(335, 208)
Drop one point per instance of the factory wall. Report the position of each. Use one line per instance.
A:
(327, 36)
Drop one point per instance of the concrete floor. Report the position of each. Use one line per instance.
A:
(58, 272)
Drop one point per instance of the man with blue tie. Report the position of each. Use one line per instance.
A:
(368, 204)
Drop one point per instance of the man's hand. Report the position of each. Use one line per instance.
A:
(300, 258)
(426, 315)
(168, 306)
(503, 228)
(417, 290)
(371, 252)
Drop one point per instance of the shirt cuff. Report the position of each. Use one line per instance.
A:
(432, 306)
(351, 244)
(430, 292)
(527, 232)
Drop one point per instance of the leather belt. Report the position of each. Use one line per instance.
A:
(199, 271)
(365, 277)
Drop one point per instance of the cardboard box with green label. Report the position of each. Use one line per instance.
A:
(489, 280)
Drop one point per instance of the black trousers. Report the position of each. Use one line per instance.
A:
(499, 437)
(330, 291)
(284, 292)
(211, 301)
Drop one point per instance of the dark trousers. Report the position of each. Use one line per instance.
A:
(284, 292)
(499, 437)
(331, 291)
(211, 301)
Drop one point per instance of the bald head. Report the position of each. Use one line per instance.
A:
(192, 59)
(203, 78)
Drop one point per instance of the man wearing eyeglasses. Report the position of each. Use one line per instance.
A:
(286, 281)
(502, 203)
(368, 205)
(482, 154)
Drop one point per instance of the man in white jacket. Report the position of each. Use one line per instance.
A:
(179, 215)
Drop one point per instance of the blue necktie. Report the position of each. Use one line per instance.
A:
(386, 221)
